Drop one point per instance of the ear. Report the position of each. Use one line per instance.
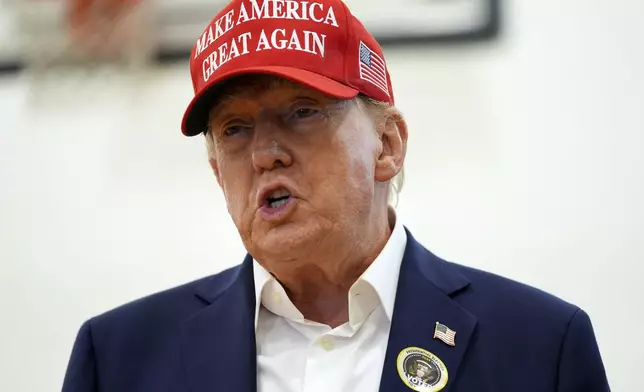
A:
(393, 136)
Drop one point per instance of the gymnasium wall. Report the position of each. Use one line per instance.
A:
(525, 159)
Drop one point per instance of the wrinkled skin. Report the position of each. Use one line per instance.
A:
(335, 158)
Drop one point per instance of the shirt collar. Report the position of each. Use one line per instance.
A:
(380, 277)
(383, 273)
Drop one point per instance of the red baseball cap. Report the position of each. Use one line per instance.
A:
(317, 43)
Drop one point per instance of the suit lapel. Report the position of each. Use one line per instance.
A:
(425, 289)
(219, 349)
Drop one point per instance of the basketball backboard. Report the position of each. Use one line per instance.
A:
(175, 24)
(390, 21)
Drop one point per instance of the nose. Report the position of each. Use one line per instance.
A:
(269, 151)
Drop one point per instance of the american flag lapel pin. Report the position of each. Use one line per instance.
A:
(444, 334)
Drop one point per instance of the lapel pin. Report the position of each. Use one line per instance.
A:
(444, 334)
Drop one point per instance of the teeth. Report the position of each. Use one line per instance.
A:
(279, 194)
(278, 203)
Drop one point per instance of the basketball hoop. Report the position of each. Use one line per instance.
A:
(104, 30)
(67, 42)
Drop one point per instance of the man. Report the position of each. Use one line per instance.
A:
(297, 109)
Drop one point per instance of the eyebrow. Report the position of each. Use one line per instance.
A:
(220, 107)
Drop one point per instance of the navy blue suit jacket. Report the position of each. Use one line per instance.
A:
(200, 337)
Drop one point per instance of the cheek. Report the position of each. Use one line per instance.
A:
(358, 145)
(353, 161)
(235, 183)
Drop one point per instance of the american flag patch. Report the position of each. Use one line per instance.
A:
(372, 68)
(445, 334)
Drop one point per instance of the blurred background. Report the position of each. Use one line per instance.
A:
(526, 132)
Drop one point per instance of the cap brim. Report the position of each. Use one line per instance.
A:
(195, 118)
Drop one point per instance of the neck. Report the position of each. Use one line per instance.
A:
(319, 284)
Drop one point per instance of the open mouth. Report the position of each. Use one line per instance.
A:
(276, 202)
(277, 198)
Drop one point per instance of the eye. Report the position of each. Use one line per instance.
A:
(230, 131)
(233, 130)
(305, 112)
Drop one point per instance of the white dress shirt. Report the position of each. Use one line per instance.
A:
(298, 355)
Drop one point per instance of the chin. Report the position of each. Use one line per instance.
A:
(284, 241)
